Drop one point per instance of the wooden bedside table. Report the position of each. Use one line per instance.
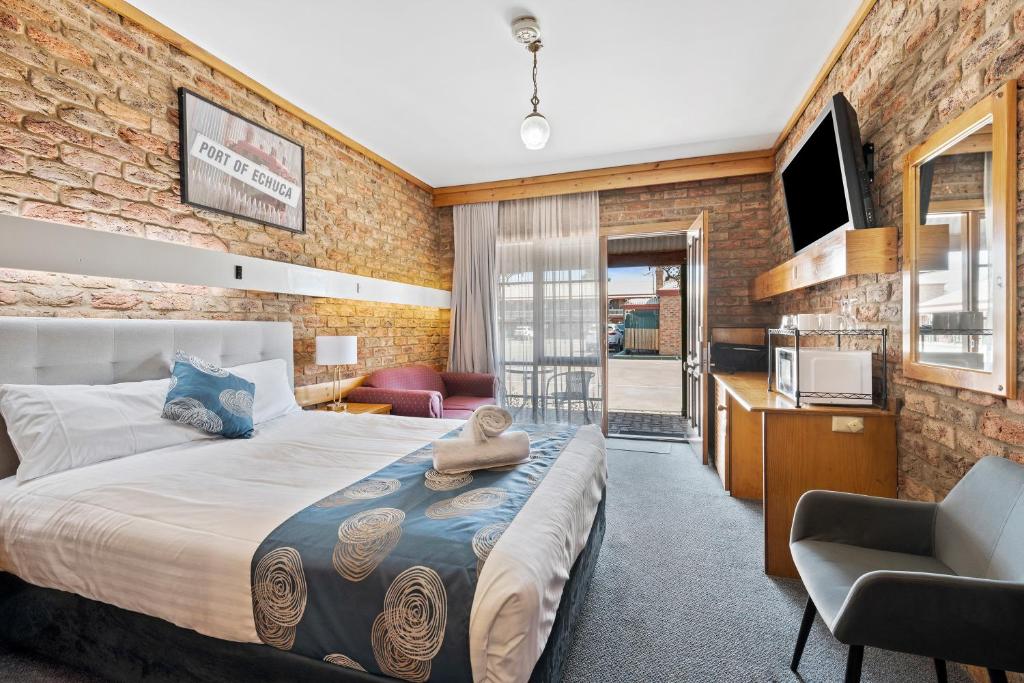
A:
(358, 408)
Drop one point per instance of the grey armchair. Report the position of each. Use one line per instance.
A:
(944, 580)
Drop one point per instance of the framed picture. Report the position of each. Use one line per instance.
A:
(232, 165)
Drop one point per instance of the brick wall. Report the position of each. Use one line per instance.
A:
(739, 227)
(670, 323)
(89, 137)
(913, 66)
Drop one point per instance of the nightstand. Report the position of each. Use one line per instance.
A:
(357, 408)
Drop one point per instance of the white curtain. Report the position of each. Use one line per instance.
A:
(472, 339)
(549, 309)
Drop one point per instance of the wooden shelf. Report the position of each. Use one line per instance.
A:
(840, 253)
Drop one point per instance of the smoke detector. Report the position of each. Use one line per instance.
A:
(526, 30)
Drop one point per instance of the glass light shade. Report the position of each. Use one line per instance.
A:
(535, 131)
(336, 351)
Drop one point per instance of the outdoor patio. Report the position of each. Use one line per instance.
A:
(645, 396)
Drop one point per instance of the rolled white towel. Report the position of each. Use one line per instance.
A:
(455, 456)
(486, 422)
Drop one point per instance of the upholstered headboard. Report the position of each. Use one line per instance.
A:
(92, 351)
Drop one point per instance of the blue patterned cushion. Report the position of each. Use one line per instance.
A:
(209, 398)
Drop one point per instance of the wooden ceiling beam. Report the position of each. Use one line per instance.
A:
(613, 178)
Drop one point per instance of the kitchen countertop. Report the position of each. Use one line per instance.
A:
(750, 389)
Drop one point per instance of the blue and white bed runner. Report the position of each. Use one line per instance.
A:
(380, 576)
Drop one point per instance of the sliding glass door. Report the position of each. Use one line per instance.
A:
(548, 309)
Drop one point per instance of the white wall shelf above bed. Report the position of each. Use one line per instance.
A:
(28, 244)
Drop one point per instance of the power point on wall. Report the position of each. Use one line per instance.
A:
(238, 272)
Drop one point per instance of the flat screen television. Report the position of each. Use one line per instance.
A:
(825, 181)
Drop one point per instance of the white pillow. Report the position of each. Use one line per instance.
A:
(274, 395)
(61, 427)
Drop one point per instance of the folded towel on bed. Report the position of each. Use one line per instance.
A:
(486, 422)
(455, 456)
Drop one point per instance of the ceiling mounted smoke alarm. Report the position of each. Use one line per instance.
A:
(526, 30)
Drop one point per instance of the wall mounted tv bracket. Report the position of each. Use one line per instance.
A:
(867, 176)
(869, 160)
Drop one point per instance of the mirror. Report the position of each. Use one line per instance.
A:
(959, 251)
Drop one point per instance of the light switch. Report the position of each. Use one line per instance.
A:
(852, 425)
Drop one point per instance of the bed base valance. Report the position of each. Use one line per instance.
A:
(126, 646)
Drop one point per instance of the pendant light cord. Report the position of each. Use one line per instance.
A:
(534, 47)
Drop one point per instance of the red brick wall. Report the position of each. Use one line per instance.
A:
(913, 66)
(739, 227)
(89, 137)
(670, 323)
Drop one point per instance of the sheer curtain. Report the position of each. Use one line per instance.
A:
(472, 345)
(549, 308)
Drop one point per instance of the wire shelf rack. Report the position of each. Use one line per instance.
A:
(798, 395)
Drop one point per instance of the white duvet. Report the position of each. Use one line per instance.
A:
(171, 532)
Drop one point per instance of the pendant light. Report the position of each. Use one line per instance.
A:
(535, 129)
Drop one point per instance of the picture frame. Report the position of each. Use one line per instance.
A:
(232, 165)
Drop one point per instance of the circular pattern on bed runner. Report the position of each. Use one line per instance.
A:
(484, 540)
(363, 490)
(342, 660)
(365, 539)
(278, 596)
(468, 502)
(438, 481)
(408, 633)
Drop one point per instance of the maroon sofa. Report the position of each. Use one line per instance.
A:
(420, 391)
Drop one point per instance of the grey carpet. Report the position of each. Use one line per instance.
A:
(679, 594)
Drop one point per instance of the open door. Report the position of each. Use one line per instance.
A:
(696, 362)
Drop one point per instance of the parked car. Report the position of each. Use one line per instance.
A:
(615, 337)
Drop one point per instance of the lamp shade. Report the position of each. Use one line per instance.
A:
(535, 131)
(336, 351)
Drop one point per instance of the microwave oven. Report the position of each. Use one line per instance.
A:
(824, 371)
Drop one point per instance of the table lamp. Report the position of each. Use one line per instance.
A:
(336, 351)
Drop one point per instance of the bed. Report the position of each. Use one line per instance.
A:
(139, 567)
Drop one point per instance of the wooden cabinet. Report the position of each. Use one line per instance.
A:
(767, 448)
(738, 450)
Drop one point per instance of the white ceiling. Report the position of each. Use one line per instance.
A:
(440, 88)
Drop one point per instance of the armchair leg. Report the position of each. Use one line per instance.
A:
(940, 671)
(853, 663)
(801, 638)
(996, 676)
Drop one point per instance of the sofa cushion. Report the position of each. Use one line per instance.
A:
(413, 377)
(461, 407)
(829, 570)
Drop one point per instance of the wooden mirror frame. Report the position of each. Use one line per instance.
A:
(999, 109)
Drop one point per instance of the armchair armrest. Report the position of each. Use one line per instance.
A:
(881, 523)
(957, 618)
(409, 402)
(470, 384)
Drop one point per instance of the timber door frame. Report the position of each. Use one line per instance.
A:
(699, 230)
(673, 227)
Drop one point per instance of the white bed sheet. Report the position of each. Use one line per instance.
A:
(171, 532)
